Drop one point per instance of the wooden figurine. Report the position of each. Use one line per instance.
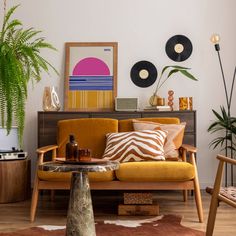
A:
(170, 99)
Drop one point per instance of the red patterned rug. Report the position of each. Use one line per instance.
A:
(161, 225)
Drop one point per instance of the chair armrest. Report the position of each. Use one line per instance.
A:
(45, 149)
(189, 148)
(226, 159)
(41, 151)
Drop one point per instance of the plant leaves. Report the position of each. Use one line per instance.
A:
(188, 75)
(20, 61)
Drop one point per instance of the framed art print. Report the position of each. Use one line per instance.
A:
(90, 76)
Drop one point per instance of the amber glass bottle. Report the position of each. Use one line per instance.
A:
(72, 149)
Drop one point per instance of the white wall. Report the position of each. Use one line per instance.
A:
(141, 28)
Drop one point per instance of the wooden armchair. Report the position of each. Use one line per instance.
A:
(227, 195)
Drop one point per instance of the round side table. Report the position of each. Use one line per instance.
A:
(80, 219)
(14, 180)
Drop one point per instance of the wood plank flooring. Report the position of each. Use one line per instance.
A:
(16, 215)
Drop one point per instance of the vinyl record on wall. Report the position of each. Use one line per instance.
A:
(179, 48)
(143, 74)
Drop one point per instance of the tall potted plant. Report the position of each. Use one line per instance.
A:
(20, 62)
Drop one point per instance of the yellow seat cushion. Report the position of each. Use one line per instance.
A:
(66, 176)
(151, 171)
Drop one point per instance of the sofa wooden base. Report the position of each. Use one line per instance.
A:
(119, 185)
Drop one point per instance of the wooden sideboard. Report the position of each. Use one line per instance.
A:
(47, 122)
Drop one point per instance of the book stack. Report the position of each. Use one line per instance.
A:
(157, 108)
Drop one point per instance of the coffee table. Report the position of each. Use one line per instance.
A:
(80, 218)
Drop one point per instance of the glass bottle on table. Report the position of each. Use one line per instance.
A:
(72, 149)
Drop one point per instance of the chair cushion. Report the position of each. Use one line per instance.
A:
(135, 146)
(229, 192)
(155, 171)
(66, 176)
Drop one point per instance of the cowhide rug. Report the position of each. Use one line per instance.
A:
(168, 225)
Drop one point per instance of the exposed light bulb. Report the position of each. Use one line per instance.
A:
(215, 38)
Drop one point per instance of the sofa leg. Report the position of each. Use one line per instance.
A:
(185, 195)
(198, 198)
(34, 200)
(52, 195)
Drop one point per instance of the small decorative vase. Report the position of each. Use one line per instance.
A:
(50, 99)
(170, 99)
(156, 100)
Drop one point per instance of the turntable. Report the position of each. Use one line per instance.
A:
(13, 154)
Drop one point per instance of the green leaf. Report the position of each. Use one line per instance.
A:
(188, 75)
(172, 72)
(180, 67)
(20, 61)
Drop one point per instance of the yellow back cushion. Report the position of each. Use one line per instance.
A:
(89, 133)
(127, 125)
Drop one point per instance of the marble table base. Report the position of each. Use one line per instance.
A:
(80, 219)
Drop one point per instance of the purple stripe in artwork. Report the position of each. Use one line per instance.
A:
(91, 83)
(76, 88)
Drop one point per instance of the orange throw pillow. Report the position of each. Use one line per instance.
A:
(175, 134)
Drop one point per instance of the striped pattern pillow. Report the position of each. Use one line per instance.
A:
(144, 145)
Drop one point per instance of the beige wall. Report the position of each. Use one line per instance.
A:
(141, 28)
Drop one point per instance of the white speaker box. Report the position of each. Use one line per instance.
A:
(126, 104)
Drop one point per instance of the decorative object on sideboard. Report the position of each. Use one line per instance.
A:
(224, 121)
(143, 74)
(20, 62)
(126, 104)
(171, 99)
(179, 48)
(185, 103)
(50, 99)
(90, 76)
(173, 70)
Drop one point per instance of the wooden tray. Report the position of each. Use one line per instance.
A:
(82, 162)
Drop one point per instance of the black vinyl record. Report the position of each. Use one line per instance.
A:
(179, 48)
(143, 74)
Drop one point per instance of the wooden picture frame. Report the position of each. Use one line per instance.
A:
(90, 76)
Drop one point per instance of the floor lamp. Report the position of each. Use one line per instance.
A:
(215, 40)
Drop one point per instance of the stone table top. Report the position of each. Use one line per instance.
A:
(99, 166)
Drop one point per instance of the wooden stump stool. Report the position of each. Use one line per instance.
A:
(14, 180)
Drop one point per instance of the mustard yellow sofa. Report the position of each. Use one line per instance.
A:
(147, 175)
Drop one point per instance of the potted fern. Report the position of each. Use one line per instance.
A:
(20, 62)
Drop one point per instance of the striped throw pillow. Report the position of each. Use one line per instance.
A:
(146, 145)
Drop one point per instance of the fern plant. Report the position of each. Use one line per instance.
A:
(20, 62)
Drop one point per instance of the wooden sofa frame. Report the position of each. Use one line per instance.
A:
(121, 185)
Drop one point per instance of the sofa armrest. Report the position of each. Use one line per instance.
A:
(189, 148)
(41, 151)
(186, 148)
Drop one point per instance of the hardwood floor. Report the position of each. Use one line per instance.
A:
(16, 215)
